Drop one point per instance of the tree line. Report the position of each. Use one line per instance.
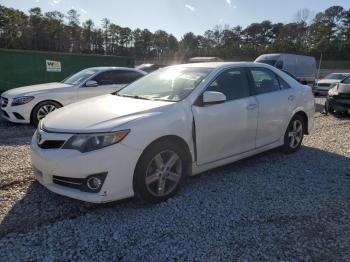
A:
(328, 32)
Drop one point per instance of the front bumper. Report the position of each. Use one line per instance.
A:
(118, 160)
(17, 114)
(320, 90)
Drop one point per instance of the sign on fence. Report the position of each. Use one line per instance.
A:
(53, 66)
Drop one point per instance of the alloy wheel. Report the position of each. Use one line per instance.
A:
(44, 111)
(163, 173)
(295, 133)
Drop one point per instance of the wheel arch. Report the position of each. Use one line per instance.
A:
(38, 103)
(177, 140)
(306, 120)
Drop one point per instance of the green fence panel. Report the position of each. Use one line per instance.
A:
(24, 67)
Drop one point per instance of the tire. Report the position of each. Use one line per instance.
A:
(40, 109)
(294, 134)
(160, 171)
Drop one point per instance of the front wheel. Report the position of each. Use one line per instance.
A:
(43, 109)
(294, 134)
(160, 172)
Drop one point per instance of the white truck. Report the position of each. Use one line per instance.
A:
(302, 67)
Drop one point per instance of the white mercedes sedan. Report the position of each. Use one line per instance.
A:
(178, 121)
(30, 104)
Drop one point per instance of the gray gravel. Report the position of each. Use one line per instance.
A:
(270, 207)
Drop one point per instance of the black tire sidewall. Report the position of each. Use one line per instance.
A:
(286, 147)
(139, 184)
(33, 116)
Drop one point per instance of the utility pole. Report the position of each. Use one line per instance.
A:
(319, 67)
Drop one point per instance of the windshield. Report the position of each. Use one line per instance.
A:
(79, 77)
(336, 76)
(168, 84)
(347, 80)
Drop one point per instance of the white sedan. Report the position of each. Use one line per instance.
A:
(30, 104)
(175, 122)
(328, 82)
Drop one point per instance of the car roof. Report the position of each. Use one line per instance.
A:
(102, 68)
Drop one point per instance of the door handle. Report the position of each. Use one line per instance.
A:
(252, 107)
(291, 98)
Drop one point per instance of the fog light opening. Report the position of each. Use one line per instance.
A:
(94, 183)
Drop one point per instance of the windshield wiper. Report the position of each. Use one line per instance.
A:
(133, 96)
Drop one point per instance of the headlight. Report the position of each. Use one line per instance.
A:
(333, 85)
(89, 142)
(21, 100)
(333, 91)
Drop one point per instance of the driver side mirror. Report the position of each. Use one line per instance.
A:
(213, 97)
(91, 83)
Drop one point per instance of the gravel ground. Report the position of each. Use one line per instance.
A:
(270, 207)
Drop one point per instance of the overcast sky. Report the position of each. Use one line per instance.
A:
(180, 16)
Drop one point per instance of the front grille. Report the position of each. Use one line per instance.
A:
(4, 102)
(51, 144)
(323, 85)
(69, 181)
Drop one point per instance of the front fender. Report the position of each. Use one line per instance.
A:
(177, 121)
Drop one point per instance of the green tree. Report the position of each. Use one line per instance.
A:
(74, 30)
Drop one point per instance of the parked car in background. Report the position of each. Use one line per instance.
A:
(30, 104)
(338, 99)
(302, 67)
(149, 68)
(328, 82)
(177, 121)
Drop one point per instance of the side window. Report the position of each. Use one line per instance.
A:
(121, 77)
(232, 83)
(104, 78)
(283, 84)
(265, 80)
(127, 77)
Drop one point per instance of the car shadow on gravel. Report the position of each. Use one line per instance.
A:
(260, 179)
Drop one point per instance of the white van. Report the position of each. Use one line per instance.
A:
(302, 67)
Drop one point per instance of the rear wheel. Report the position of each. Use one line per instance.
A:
(160, 172)
(294, 134)
(43, 109)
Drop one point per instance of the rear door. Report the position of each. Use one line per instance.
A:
(276, 100)
(229, 128)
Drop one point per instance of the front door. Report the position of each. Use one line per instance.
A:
(108, 82)
(229, 128)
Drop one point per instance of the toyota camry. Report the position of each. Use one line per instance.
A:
(178, 121)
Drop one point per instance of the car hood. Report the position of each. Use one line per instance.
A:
(328, 81)
(34, 89)
(101, 114)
